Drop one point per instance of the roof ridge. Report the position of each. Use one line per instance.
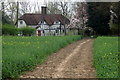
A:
(32, 13)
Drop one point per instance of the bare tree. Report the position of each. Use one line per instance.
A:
(2, 9)
(12, 8)
(53, 8)
(17, 13)
(25, 7)
(1, 1)
(63, 7)
(36, 7)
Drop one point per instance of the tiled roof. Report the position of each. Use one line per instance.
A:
(34, 19)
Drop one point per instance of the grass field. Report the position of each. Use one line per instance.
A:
(0, 57)
(106, 57)
(23, 53)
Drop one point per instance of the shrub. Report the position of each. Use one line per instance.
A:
(8, 29)
(81, 32)
(115, 28)
(27, 31)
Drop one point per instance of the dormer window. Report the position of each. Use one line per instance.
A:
(21, 22)
(42, 22)
(56, 22)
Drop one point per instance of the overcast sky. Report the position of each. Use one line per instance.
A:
(42, 1)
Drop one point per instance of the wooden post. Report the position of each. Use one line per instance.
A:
(49, 30)
(60, 28)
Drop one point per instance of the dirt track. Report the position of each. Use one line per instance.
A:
(73, 61)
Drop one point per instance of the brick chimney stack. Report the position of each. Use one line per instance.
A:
(44, 9)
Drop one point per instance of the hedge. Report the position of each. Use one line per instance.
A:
(27, 31)
(8, 29)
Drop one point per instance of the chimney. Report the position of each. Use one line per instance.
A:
(44, 9)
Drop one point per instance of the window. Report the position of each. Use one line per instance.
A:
(57, 22)
(42, 22)
(21, 22)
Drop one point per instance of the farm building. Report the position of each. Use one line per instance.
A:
(45, 24)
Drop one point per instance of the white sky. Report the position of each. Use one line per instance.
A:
(42, 1)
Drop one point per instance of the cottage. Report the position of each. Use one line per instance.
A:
(45, 24)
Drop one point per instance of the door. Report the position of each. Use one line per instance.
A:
(39, 32)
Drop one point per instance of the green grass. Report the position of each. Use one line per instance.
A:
(0, 57)
(24, 53)
(106, 57)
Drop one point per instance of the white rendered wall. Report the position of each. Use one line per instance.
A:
(21, 25)
(53, 29)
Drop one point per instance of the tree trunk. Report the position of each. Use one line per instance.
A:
(65, 30)
(78, 31)
(2, 9)
(17, 13)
